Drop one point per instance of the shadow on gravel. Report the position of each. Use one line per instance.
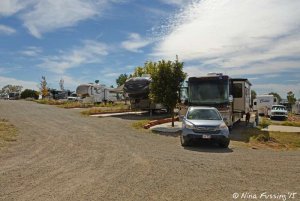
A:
(141, 116)
(208, 147)
(169, 134)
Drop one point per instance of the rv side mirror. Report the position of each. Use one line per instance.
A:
(230, 98)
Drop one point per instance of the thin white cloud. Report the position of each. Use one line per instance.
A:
(5, 69)
(6, 30)
(31, 51)
(238, 37)
(176, 2)
(26, 84)
(10, 7)
(49, 15)
(135, 42)
(89, 52)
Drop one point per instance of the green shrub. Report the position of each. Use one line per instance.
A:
(29, 93)
(262, 138)
(264, 123)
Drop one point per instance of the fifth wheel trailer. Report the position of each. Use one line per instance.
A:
(263, 104)
(137, 89)
(95, 93)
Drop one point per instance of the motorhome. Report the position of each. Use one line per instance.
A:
(137, 89)
(230, 96)
(263, 104)
(95, 93)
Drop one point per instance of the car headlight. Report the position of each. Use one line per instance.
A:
(188, 125)
(223, 126)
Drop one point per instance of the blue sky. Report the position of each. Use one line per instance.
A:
(85, 40)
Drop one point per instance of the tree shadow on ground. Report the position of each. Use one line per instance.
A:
(142, 116)
(168, 134)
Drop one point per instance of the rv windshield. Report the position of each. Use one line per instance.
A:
(209, 92)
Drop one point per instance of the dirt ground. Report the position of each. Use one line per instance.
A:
(62, 155)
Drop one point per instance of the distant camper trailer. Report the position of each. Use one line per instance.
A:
(14, 96)
(95, 93)
(296, 108)
(263, 104)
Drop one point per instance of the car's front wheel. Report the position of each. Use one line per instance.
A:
(224, 143)
(184, 141)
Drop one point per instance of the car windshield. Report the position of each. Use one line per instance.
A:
(278, 108)
(203, 114)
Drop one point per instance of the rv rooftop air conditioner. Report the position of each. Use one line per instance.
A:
(214, 74)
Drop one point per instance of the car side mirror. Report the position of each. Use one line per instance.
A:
(230, 98)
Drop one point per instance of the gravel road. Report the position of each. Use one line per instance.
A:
(61, 155)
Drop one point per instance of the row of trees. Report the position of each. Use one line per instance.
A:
(30, 93)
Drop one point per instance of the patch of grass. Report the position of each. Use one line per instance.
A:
(78, 104)
(140, 123)
(73, 104)
(102, 110)
(276, 140)
(8, 132)
(264, 123)
(49, 102)
(291, 140)
(288, 123)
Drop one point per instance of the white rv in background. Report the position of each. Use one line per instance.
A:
(95, 93)
(263, 104)
(296, 108)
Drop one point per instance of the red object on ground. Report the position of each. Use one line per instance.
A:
(160, 121)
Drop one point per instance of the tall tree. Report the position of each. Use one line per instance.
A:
(148, 68)
(170, 75)
(29, 93)
(276, 95)
(44, 87)
(11, 88)
(139, 71)
(291, 97)
(121, 79)
(61, 84)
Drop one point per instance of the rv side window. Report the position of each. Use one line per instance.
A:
(237, 91)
